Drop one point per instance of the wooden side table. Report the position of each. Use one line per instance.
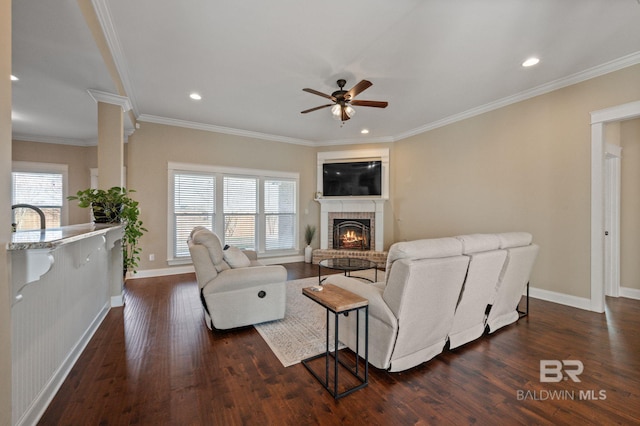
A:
(340, 302)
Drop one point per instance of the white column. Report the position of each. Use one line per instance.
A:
(111, 109)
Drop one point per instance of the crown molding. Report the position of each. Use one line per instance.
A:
(63, 141)
(51, 139)
(256, 135)
(383, 139)
(597, 71)
(115, 47)
(110, 98)
(219, 129)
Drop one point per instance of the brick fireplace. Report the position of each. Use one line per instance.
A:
(363, 233)
(368, 213)
(356, 215)
(351, 231)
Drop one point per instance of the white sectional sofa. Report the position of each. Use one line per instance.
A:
(438, 290)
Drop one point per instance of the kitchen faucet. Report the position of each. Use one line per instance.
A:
(36, 209)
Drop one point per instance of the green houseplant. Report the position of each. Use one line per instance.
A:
(309, 232)
(115, 205)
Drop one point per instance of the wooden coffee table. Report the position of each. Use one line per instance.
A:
(340, 301)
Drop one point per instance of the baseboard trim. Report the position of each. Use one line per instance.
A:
(117, 301)
(187, 269)
(279, 260)
(151, 273)
(631, 293)
(560, 298)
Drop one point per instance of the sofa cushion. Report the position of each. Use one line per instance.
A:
(423, 249)
(235, 257)
(474, 243)
(515, 239)
(211, 241)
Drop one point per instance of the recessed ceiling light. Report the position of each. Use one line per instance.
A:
(195, 96)
(530, 62)
(364, 131)
(14, 78)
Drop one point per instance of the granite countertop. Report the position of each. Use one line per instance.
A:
(53, 237)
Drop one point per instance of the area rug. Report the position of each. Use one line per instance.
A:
(302, 332)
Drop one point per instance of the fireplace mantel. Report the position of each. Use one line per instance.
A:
(348, 205)
(357, 204)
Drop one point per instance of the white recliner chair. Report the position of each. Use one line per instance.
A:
(513, 280)
(486, 264)
(235, 288)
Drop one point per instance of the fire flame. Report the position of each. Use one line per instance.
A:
(351, 237)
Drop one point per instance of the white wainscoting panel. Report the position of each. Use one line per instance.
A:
(54, 320)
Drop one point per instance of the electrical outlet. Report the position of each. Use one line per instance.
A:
(152, 257)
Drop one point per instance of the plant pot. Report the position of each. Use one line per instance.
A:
(308, 254)
(106, 213)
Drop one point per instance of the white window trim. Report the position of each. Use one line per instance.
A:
(235, 171)
(63, 169)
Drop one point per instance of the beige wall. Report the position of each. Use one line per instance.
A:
(78, 159)
(630, 204)
(522, 167)
(5, 211)
(152, 146)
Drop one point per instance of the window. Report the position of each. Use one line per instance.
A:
(280, 214)
(194, 205)
(240, 211)
(250, 209)
(42, 185)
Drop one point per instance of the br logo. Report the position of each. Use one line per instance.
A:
(554, 370)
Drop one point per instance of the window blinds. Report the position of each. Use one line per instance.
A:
(240, 211)
(280, 218)
(43, 190)
(194, 197)
(249, 211)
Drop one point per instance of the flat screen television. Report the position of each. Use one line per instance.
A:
(357, 178)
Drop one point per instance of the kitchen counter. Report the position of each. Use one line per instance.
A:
(52, 238)
(64, 281)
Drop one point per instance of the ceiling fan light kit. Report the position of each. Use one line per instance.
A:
(341, 108)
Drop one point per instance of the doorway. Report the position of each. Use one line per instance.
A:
(598, 195)
(612, 182)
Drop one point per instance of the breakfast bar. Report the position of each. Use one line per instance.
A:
(63, 283)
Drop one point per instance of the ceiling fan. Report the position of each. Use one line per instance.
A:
(341, 108)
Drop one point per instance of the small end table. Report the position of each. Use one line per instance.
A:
(340, 301)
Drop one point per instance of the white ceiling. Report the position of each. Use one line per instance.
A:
(434, 61)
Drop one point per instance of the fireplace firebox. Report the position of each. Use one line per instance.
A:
(352, 234)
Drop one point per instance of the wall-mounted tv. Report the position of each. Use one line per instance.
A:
(347, 179)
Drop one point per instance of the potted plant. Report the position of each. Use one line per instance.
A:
(114, 205)
(309, 232)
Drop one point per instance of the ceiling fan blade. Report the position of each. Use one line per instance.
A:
(315, 92)
(375, 104)
(316, 108)
(358, 88)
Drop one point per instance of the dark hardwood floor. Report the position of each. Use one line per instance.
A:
(154, 362)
